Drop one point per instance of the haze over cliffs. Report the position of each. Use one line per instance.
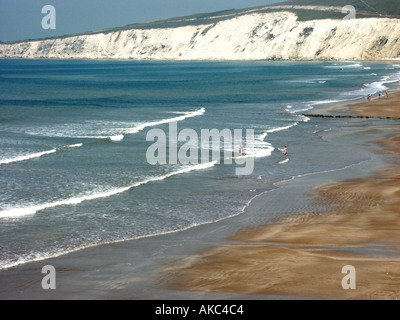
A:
(271, 32)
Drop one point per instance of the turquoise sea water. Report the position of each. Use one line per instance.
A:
(73, 165)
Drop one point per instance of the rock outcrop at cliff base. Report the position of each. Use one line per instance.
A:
(256, 36)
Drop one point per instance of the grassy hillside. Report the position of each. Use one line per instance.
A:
(391, 7)
(368, 8)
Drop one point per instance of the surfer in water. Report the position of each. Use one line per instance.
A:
(284, 151)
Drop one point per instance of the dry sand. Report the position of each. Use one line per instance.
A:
(303, 255)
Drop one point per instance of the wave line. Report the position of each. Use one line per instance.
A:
(28, 156)
(19, 212)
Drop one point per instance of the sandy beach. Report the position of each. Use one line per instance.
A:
(303, 254)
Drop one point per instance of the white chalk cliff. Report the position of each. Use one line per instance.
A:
(253, 36)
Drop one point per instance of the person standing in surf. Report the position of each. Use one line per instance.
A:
(284, 151)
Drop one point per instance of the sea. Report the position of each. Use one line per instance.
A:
(95, 152)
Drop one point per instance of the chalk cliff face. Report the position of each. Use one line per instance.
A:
(276, 35)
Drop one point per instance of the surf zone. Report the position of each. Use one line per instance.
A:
(201, 149)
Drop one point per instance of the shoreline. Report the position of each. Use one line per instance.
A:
(136, 269)
(303, 255)
(378, 60)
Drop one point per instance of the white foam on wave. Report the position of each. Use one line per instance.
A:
(260, 149)
(87, 137)
(111, 130)
(256, 152)
(264, 149)
(349, 65)
(261, 136)
(257, 149)
(302, 109)
(140, 127)
(281, 128)
(182, 117)
(311, 105)
(374, 87)
(304, 118)
(368, 88)
(27, 156)
(327, 101)
(117, 137)
(260, 152)
(77, 145)
(283, 161)
(29, 210)
(37, 154)
(144, 125)
(393, 78)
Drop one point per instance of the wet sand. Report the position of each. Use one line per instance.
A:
(385, 106)
(303, 255)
